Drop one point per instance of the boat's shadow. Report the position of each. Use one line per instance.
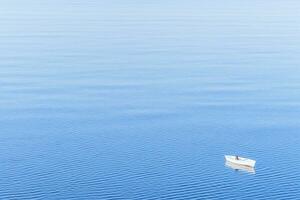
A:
(237, 167)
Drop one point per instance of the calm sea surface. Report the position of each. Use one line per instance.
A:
(142, 99)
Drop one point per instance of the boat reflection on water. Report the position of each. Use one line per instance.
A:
(236, 167)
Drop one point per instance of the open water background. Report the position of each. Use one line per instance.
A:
(142, 99)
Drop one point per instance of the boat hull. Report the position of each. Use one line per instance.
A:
(243, 168)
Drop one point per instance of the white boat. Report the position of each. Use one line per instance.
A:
(240, 161)
(243, 168)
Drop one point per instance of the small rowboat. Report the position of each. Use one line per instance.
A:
(240, 161)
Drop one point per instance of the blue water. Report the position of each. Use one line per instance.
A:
(142, 99)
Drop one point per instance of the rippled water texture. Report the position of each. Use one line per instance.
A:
(142, 99)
